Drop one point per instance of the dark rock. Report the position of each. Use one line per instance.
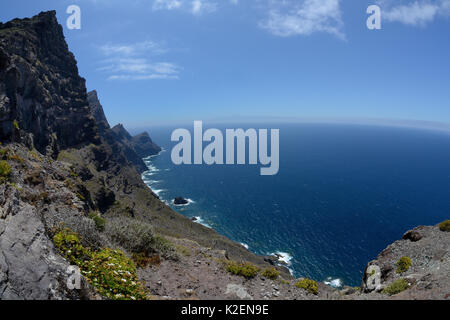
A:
(144, 145)
(180, 201)
(97, 112)
(41, 94)
(412, 235)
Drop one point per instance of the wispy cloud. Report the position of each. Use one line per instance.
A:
(195, 7)
(414, 13)
(291, 18)
(132, 62)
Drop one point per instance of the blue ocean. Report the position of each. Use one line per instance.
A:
(343, 193)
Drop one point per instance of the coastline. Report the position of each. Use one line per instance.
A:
(279, 258)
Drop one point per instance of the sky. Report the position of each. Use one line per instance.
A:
(157, 62)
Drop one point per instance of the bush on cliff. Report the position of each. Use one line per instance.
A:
(98, 220)
(110, 271)
(396, 287)
(5, 171)
(134, 236)
(445, 226)
(403, 264)
(309, 285)
(244, 269)
(271, 273)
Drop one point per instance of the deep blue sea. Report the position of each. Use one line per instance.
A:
(343, 193)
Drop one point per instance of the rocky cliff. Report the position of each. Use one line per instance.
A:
(71, 189)
(43, 101)
(62, 168)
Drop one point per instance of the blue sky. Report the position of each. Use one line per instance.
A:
(162, 61)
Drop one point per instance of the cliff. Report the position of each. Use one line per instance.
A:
(62, 168)
(142, 144)
(43, 99)
(71, 189)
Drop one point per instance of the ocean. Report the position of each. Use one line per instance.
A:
(343, 193)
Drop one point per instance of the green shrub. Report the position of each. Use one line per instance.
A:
(309, 285)
(114, 275)
(445, 226)
(185, 251)
(131, 234)
(69, 244)
(396, 287)
(111, 272)
(5, 171)
(403, 264)
(98, 220)
(271, 273)
(165, 248)
(244, 269)
(16, 124)
(4, 153)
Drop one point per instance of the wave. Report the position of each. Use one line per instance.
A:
(199, 220)
(285, 260)
(335, 283)
(158, 191)
(244, 245)
(154, 155)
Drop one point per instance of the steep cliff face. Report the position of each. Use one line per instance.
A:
(43, 100)
(60, 167)
(142, 144)
(97, 112)
(120, 148)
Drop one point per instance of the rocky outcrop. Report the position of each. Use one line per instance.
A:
(97, 112)
(142, 144)
(180, 201)
(118, 141)
(428, 249)
(43, 100)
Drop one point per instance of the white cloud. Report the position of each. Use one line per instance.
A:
(290, 18)
(195, 7)
(201, 6)
(131, 62)
(166, 4)
(414, 13)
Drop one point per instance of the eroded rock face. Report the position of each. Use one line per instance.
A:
(30, 266)
(429, 251)
(142, 144)
(42, 98)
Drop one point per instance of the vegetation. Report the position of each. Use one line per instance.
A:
(16, 124)
(5, 171)
(445, 226)
(396, 287)
(98, 220)
(185, 251)
(110, 271)
(403, 264)
(138, 237)
(309, 285)
(4, 153)
(132, 235)
(271, 273)
(244, 269)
